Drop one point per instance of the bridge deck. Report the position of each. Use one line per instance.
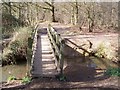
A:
(44, 62)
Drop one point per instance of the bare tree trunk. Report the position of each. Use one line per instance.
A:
(52, 9)
(90, 17)
(53, 14)
(9, 3)
(20, 16)
(76, 13)
(72, 16)
(91, 24)
(37, 13)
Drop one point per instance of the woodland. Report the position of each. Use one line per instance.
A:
(18, 21)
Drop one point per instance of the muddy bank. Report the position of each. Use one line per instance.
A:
(43, 83)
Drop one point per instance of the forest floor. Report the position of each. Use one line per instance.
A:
(89, 79)
(103, 83)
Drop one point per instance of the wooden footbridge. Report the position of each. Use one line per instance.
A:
(47, 58)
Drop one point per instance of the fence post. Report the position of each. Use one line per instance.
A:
(61, 56)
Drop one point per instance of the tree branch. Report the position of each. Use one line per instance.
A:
(51, 5)
(44, 7)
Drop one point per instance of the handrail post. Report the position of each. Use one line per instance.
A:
(61, 56)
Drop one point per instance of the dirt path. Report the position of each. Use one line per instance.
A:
(89, 85)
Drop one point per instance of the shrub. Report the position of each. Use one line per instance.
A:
(10, 78)
(7, 56)
(104, 50)
(22, 36)
(101, 50)
(113, 72)
(61, 77)
(26, 80)
(18, 45)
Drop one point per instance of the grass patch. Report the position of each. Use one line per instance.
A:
(26, 80)
(113, 72)
(10, 78)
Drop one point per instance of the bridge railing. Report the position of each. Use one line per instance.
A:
(57, 44)
(34, 46)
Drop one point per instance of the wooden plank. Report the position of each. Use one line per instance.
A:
(46, 49)
(44, 43)
(47, 52)
(47, 56)
(44, 60)
(49, 66)
(45, 40)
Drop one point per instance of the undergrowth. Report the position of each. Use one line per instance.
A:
(17, 47)
(10, 78)
(26, 80)
(101, 50)
(113, 72)
(104, 50)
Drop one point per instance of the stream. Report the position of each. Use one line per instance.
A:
(19, 71)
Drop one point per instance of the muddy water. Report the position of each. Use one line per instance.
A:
(103, 63)
(78, 69)
(92, 61)
(87, 69)
(19, 71)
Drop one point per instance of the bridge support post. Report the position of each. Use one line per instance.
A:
(61, 56)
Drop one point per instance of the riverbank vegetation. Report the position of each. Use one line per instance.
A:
(16, 50)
